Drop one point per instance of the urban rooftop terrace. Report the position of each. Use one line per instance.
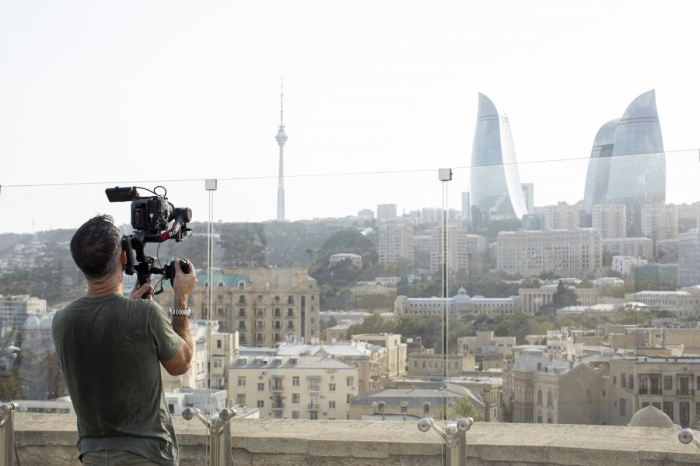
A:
(49, 439)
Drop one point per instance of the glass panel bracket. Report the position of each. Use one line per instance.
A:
(220, 430)
(454, 436)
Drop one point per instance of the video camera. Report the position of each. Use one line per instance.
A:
(150, 217)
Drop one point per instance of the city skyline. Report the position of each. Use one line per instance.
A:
(385, 96)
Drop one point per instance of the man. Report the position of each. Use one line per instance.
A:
(110, 348)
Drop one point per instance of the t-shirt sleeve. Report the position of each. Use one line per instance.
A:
(166, 340)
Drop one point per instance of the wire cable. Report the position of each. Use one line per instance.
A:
(315, 175)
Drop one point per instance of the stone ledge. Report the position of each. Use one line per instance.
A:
(50, 439)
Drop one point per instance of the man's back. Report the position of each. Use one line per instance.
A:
(110, 349)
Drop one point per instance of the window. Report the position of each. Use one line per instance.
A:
(643, 385)
(261, 387)
(331, 405)
(614, 380)
(631, 381)
(539, 419)
(623, 402)
(539, 397)
(668, 385)
(296, 398)
(351, 381)
(171, 408)
(550, 399)
(668, 408)
(313, 416)
(241, 312)
(218, 344)
(296, 415)
(240, 399)
(261, 403)
(241, 381)
(295, 381)
(217, 362)
(331, 387)
(623, 380)
(349, 398)
(259, 337)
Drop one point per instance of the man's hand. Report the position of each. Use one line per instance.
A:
(145, 291)
(183, 284)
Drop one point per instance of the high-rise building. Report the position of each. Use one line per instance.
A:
(561, 216)
(457, 249)
(466, 208)
(281, 141)
(610, 220)
(627, 164)
(395, 242)
(689, 258)
(575, 252)
(660, 222)
(529, 197)
(386, 212)
(496, 190)
(14, 310)
(636, 246)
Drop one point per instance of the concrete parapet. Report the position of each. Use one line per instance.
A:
(49, 439)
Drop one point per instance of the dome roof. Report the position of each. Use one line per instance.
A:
(651, 417)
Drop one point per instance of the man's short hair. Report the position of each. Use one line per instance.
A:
(96, 247)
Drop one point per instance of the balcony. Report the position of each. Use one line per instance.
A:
(314, 406)
(50, 439)
(277, 405)
(314, 388)
(685, 392)
(277, 387)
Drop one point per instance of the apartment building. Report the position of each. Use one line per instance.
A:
(574, 252)
(562, 216)
(396, 351)
(15, 309)
(411, 403)
(636, 247)
(386, 212)
(660, 221)
(485, 344)
(395, 243)
(533, 299)
(610, 220)
(36, 333)
(213, 352)
(682, 303)
(373, 362)
(689, 258)
(427, 363)
(293, 387)
(265, 305)
(461, 245)
(625, 265)
(460, 305)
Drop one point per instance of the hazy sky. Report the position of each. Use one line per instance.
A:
(138, 91)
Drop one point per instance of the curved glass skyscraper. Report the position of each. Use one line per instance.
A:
(627, 164)
(638, 167)
(599, 167)
(495, 183)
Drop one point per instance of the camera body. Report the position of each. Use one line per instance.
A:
(151, 218)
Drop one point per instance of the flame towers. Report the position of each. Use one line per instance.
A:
(496, 191)
(627, 164)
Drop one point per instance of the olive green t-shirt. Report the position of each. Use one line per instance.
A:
(110, 348)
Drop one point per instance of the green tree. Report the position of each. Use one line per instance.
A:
(459, 409)
(564, 296)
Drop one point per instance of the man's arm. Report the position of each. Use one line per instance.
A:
(183, 285)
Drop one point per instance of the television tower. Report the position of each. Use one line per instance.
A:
(281, 140)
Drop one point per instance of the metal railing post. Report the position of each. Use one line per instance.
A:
(220, 431)
(7, 434)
